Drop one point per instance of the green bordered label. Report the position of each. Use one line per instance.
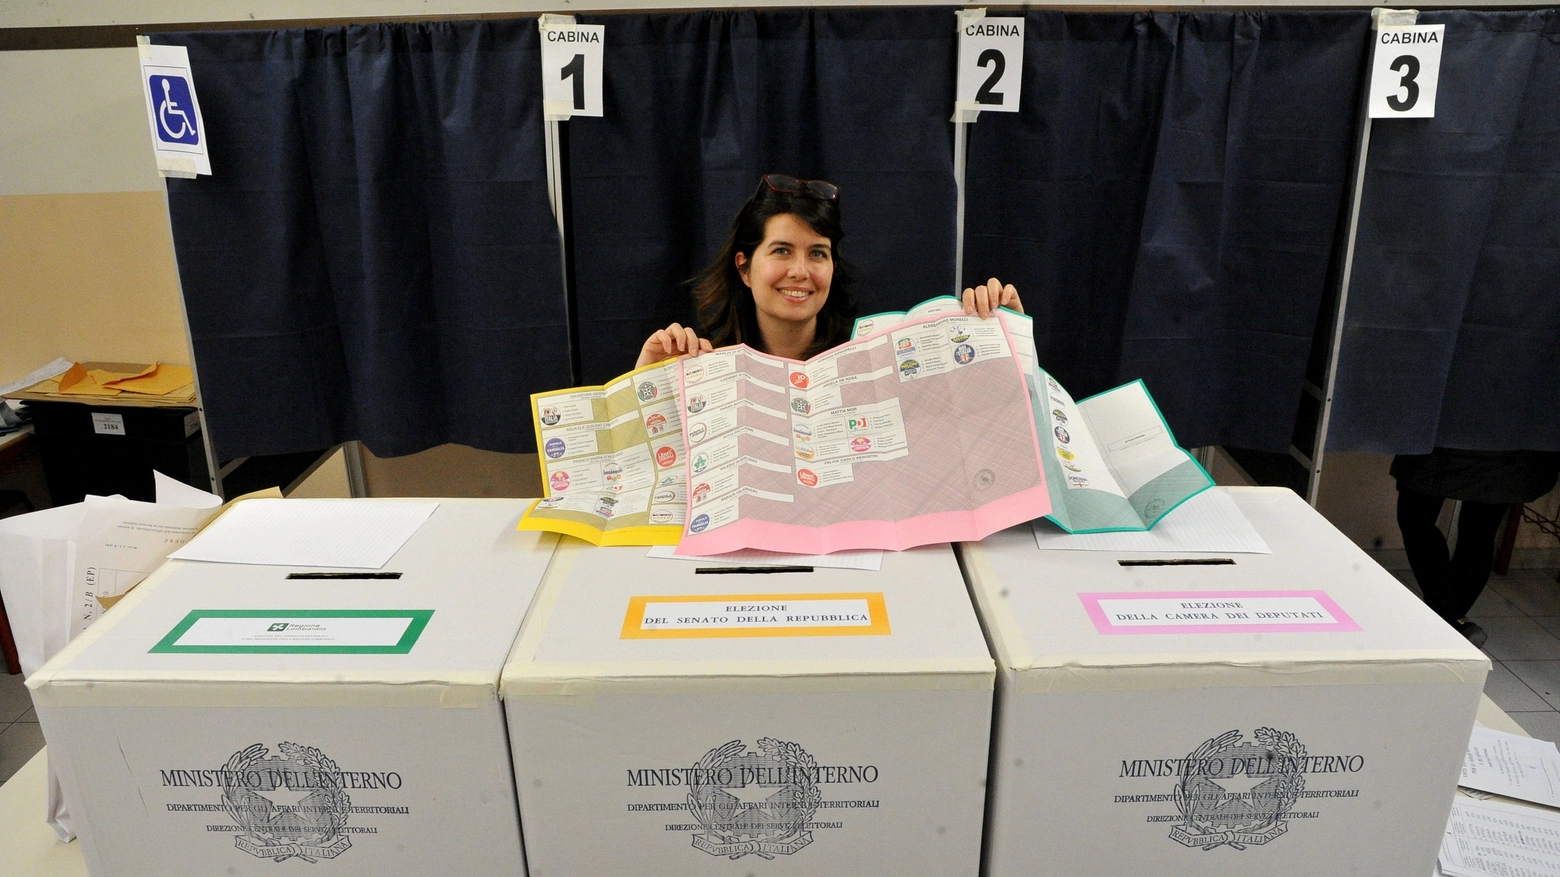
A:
(295, 632)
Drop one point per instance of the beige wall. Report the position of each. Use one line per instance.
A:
(86, 258)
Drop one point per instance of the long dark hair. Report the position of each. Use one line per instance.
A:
(724, 304)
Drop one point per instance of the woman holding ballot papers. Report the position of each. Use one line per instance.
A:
(778, 284)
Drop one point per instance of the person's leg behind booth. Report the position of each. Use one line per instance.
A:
(1474, 557)
(1431, 560)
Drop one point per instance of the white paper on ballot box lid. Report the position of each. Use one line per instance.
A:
(1039, 622)
(574, 637)
(468, 564)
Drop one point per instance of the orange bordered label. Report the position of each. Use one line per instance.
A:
(699, 616)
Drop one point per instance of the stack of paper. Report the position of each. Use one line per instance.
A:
(167, 383)
(1492, 838)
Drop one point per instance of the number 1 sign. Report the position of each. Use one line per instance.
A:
(1405, 71)
(991, 64)
(571, 69)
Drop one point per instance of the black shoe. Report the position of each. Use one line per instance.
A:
(1472, 632)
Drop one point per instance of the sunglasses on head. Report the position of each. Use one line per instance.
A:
(791, 185)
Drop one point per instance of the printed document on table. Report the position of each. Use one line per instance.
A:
(863, 560)
(612, 460)
(349, 534)
(920, 432)
(1497, 839)
(1513, 766)
(1208, 522)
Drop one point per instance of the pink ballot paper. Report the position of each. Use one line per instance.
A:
(917, 434)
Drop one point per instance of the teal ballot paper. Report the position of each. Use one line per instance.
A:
(1111, 461)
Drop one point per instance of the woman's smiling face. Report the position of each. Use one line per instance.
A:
(790, 271)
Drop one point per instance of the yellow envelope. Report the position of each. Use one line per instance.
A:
(156, 380)
(80, 382)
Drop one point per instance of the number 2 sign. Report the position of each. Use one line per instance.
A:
(571, 69)
(991, 64)
(1405, 71)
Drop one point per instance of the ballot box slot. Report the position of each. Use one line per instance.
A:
(1181, 561)
(342, 576)
(748, 570)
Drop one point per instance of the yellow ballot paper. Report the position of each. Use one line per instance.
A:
(611, 456)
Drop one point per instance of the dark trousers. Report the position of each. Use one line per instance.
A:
(1450, 582)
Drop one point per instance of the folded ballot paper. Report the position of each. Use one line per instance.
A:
(61, 568)
(917, 433)
(1111, 461)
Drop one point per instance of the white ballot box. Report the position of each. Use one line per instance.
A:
(225, 717)
(1295, 713)
(676, 719)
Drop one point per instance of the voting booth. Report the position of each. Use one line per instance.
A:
(672, 718)
(1293, 713)
(226, 717)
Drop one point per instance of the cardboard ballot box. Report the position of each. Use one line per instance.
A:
(1298, 713)
(225, 717)
(673, 719)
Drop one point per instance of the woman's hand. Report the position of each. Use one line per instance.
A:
(670, 343)
(991, 295)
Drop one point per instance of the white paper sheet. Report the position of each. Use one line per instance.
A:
(58, 366)
(121, 541)
(1209, 522)
(1513, 766)
(350, 534)
(173, 492)
(867, 560)
(1497, 839)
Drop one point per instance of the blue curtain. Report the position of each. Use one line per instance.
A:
(374, 256)
(1452, 334)
(698, 106)
(1168, 202)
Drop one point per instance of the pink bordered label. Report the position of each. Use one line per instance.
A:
(1137, 612)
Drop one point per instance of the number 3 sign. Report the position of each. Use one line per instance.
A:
(571, 69)
(1405, 71)
(991, 64)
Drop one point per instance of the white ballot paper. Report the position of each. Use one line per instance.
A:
(309, 532)
(62, 567)
(121, 541)
(1497, 839)
(871, 559)
(1209, 522)
(1513, 766)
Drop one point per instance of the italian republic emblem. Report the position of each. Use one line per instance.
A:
(756, 802)
(288, 805)
(1215, 808)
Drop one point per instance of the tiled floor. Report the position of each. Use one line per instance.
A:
(1521, 612)
(20, 738)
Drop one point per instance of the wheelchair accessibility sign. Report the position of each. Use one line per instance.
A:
(178, 133)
